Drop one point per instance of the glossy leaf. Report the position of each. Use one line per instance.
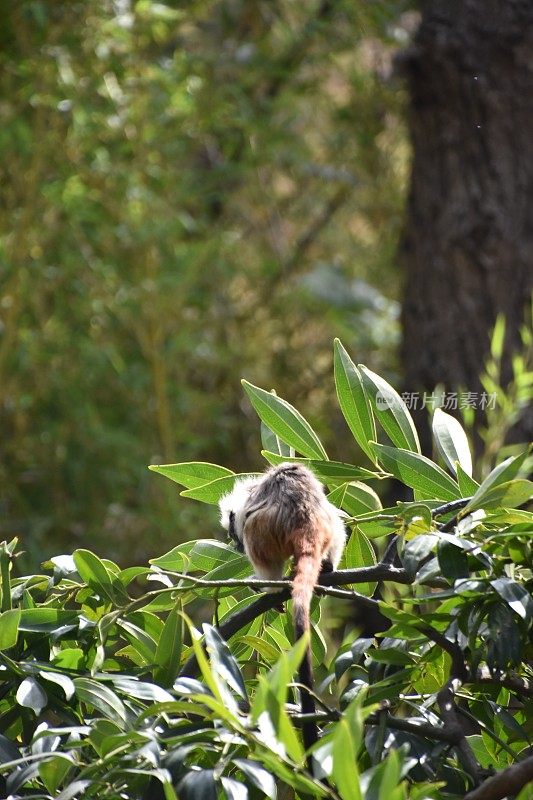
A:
(9, 626)
(94, 573)
(213, 491)
(353, 400)
(192, 474)
(258, 776)
(516, 596)
(31, 694)
(503, 473)
(99, 696)
(360, 553)
(418, 472)
(223, 661)
(391, 411)
(329, 472)
(168, 651)
(355, 498)
(285, 421)
(451, 441)
(198, 785)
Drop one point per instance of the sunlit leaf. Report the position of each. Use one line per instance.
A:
(390, 410)
(451, 441)
(191, 474)
(285, 421)
(353, 400)
(418, 472)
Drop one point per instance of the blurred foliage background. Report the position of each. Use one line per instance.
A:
(192, 193)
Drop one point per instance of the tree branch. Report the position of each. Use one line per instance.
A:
(458, 667)
(450, 718)
(453, 505)
(516, 683)
(508, 782)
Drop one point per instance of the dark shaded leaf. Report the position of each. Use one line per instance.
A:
(223, 661)
(258, 776)
(198, 785)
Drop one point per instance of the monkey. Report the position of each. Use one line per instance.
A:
(280, 514)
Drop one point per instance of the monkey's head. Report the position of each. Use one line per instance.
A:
(231, 507)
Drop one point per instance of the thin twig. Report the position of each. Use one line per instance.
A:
(453, 505)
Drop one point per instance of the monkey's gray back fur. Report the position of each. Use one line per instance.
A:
(292, 490)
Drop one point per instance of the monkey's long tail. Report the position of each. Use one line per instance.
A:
(306, 575)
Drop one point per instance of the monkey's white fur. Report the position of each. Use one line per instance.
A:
(235, 501)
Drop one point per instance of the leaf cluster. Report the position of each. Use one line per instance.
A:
(110, 690)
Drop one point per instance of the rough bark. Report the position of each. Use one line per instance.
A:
(468, 242)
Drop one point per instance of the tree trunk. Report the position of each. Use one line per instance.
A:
(468, 242)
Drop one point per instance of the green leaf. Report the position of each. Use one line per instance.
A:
(93, 571)
(212, 492)
(198, 785)
(387, 655)
(416, 519)
(69, 658)
(451, 441)
(498, 337)
(31, 694)
(503, 473)
(285, 421)
(353, 400)
(46, 620)
(142, 642)
(345, 771)
(263, 647)
(99, 696)
(9, 626)
(506, 495)
(208, 554)
(418, 472)
(234, 790)
(483, 757)
(390, 775)
(391, 411)
(223, 662)
(467, 485)
(168, 652)
(142, 690)
(329, 472)
(273, 443)
(360, 553)
(276, 682)
(59, 679)
(515, 595)
(453, 561)
(258, 776)
(417, 550)
(54, 770)
(355, 498)
(191, 474)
